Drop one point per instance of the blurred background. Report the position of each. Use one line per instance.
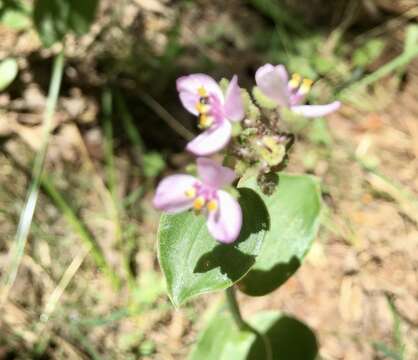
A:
(119, 127)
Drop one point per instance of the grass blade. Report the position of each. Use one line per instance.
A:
(26, 216)
(79, 227)
(111, 177)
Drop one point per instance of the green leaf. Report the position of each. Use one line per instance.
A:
(294, 210)
(153, 164)
(15, 14)
(319, 132)
(411, 39)
(368, 53)
(55, 18)
(289, 339)
(194, 263)
(387, 352)
(8, 72)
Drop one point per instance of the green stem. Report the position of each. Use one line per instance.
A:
(234, 308)
(242, 325)
(409, 54)
(26, 216)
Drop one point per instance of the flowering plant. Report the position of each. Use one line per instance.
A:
(181, 192)
(251, 223)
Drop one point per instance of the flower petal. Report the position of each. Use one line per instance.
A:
(225, 224)
(171, 196)
(281, 70)
(263, 70)
(211, 140)
(189, 101)
(271, 80)
(234, 107)
(213, 174)
(191, 84)
(312, 111)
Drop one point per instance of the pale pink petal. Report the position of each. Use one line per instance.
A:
(213, 174)
(281, 69)
(271, 81)
(234, 107)
(211, 140)
(225, 224)
(263, 70)
(189, 101)
(312, 111)
(191, 84)
(170, 195)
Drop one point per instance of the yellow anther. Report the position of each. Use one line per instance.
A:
(202, 92)
(205, 121)
(212, 206)
(191, 193)
(306, 86)
(199, 203)
(295, 81)
(202, 108)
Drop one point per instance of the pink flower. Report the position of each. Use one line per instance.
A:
(273, 81)
(178, 193)
(203, 97)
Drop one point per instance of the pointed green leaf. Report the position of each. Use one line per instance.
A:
(194, 263)
(294, 210)
(288, 338)
(8, 72)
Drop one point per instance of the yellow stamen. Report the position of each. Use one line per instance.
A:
(199, 203)
(191, 193)
(202, 108)
(306, 86)
(202, 92)
(212, 205)
(295, 81)
(205, 121)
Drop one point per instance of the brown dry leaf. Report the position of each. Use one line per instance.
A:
(31, 135)
(17, 319)
(412, 125)
(5, 128)
(351, 300)
(151, 5)
(407, 204)
(65, 144)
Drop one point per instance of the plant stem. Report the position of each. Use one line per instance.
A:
(26, 216)
(234, 308)
(242, 325)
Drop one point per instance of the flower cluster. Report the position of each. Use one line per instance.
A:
(257, 144)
